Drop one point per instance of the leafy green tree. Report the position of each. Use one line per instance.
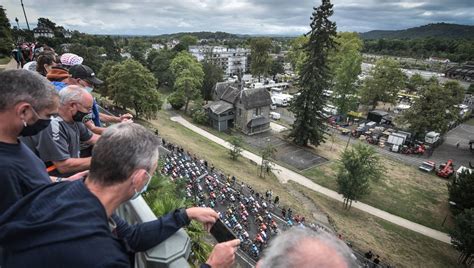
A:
(346, 67)
(358, 167)
(314, 78)
(90, 54)
(189, 86)
(415, 82)
(297, 54)
(189, 77)
(165, 197)
(276, 67)
(185, 61)
(433, 111)
(268, 152)
(236, 143)
(260, 61)
(212, 75)
(47, 23)
(470, 90)
(455, 91)
(159, 63)
(111, 49)
(106, 71)
(134, 86)
(137, 49)
(177, 100)
(385, 81)
(188, 40)
(462, 236)
(200, 116)
(461, 192)
(6, 41)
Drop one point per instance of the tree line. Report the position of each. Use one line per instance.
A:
(456, 50)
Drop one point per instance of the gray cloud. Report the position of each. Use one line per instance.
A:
(236, 16)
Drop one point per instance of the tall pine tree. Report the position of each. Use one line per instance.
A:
(314, 79)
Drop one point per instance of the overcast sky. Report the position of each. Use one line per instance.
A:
(282, 17)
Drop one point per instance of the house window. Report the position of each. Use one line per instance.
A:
(240, 112)
(257, 111)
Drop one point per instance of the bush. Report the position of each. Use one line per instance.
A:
(470, 90)
(176, 100)
(200, 116)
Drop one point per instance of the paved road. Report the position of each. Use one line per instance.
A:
(284, 175)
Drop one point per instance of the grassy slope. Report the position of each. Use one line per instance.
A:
(398, 245)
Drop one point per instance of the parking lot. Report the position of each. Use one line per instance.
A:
(295, 156)
(449, 150)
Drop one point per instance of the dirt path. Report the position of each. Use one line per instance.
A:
(9, 66)
(284, 175)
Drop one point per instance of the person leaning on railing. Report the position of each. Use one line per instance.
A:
(58, 145)
(72, 224)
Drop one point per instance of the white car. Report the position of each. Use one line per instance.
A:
(275, 115)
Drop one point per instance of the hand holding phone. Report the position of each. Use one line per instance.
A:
(221, 233)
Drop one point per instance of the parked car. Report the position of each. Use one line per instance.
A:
(427, 166)
(275, 115)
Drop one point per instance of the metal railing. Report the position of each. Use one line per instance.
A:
(172, 253)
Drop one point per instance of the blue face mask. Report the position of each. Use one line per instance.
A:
(89, 89)
(135, 196)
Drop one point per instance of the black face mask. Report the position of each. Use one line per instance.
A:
(36, 128)
(79, 116)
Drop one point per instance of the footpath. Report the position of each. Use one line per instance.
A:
(9, 66)
(284, 175)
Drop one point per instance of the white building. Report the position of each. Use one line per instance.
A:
(43, 31)
(157, 46)
(231, 60)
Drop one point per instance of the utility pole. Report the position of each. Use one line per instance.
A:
(26, 19)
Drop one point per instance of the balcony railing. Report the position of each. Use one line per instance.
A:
(172, 253)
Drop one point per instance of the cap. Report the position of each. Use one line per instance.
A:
(30, 66)
(84, 72)
(71, 59)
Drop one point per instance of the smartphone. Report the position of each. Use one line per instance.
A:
(221, 233)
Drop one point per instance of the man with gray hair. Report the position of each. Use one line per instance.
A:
(27, 101)
(59, 144)
(303, 247)
(72, 224)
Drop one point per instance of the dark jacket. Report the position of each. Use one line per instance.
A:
(65, 225)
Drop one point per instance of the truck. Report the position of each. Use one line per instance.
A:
(432, 138)
(397, 139)
(279, 100)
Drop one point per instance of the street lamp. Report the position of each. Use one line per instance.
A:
(17, 24)
(26, 19)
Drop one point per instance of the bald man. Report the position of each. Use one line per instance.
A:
(303, 247)
(59, 144)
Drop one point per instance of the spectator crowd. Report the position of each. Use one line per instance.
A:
(63, 174)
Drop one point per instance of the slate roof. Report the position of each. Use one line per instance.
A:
(258, 121)
(251, 98)
(255, 97)
(219, 107)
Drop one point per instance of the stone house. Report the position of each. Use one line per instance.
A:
(245, 109)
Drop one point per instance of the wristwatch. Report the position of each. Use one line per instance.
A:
(59, 179)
